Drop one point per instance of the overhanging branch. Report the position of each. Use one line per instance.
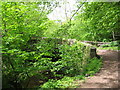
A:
(76, 11)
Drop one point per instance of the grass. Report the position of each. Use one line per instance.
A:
(65, 82)
(109, 48)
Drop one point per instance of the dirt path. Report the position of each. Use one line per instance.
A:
(108, 75)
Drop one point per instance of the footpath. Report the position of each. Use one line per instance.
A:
(107, 77)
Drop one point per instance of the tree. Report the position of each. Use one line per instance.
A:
(97, 19)
(20, 22)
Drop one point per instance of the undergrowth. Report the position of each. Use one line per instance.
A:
(68, 82)
(55, 62)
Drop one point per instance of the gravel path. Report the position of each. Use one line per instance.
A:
(108, 75)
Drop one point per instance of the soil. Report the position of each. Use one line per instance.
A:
(107, 77)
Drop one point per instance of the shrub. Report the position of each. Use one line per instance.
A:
(52, 59)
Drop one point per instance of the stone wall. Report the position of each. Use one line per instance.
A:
(70, 42)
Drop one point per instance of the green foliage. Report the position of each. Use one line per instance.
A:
(93, 66)
(26, 54)
(62, 31)
(74, 61)
(96, 21)
(52, 30)
(65, 82)
(64, 61)
(20, 22)
(47, 56)
(22, 18)
(109, 48)
(112, 44)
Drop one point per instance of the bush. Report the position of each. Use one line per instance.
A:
(65, 82)
(92, 66)
(52, 59)
(112, 44)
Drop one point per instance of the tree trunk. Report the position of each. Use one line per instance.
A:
(113, 34)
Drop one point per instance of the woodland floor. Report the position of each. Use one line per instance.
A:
(107, 77)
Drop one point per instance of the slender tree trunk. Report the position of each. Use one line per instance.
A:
(113, 34)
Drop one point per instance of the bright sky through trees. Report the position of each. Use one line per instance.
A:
(64, 11)
(66, 7)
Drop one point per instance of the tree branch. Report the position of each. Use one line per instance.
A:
(76, 11)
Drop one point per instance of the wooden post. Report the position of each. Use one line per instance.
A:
(93, 52)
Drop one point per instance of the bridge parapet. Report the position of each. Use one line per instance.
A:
(92, 51)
